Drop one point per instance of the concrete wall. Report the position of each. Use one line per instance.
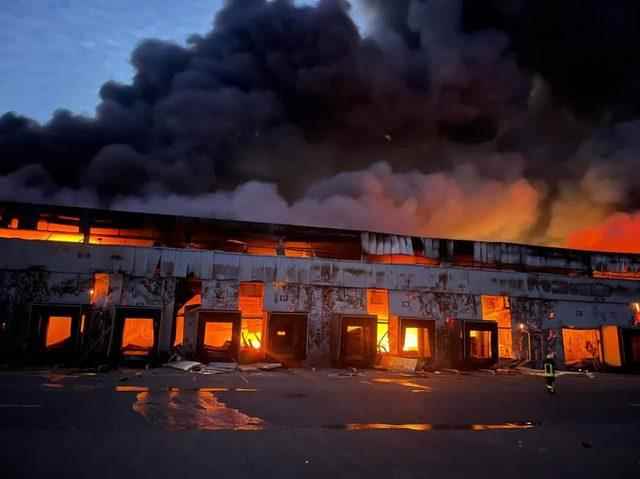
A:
(34, 272)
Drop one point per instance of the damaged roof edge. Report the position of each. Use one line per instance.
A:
(370, 242)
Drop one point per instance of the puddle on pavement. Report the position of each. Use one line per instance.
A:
(188, 410)
(413, 386)
(433, 427)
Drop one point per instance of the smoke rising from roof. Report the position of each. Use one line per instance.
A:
(450, 118)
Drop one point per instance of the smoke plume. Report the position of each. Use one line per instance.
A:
(498, 119)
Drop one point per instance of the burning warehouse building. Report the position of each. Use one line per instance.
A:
(81, 284)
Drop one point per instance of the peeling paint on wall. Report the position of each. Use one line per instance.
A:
(220, 295)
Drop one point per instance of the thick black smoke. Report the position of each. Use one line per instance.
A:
(539, 91)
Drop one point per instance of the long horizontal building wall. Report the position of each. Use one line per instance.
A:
(524, 290)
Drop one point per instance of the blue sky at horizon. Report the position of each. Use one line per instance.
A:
(57, 53)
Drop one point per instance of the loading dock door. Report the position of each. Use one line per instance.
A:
(136, 333)
(581, 345)
(417, 338)
(631, 341)
(358, 344)
(480, 343)
(57, 329)
(288, 336)
(218, 336)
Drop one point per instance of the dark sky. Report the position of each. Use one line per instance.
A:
(403, 115)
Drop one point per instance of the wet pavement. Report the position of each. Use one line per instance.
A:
(304, 423)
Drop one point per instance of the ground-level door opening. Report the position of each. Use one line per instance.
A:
(582, 347)
(358, 341)
(498, 309)
(417, 338)
(631, 344)
(218, 336)
(287, 336)
(57, 331)
(480, 343)
(250, 304)
(135, 337)
(611, 346)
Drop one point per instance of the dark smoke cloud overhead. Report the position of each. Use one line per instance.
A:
(442, 104)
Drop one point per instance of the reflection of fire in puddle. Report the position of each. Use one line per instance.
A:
(177, 410)
(413, 386)
(434, 427)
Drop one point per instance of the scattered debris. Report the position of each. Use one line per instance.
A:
(189, 366)
(450, 370)
(398, 363)
(268, 366)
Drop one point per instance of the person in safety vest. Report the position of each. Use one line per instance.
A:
(550, 372)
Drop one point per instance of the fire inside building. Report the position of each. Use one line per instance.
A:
(81, 285)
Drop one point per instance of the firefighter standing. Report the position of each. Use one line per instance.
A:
(550, 372)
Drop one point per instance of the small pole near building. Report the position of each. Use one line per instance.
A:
(524, 330)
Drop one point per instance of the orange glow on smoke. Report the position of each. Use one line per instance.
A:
(619, 233)
(58, 331)
(137, 336)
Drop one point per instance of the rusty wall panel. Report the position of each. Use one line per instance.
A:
(220, 295)
(326, 304)
(287, 298)
(226, 267)
(257, 268)
(144, 292)
(535, 314)
(438, 306)
(67, 288)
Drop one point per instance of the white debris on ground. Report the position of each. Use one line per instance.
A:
(220, 368)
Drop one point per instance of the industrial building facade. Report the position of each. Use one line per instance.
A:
(80, 285)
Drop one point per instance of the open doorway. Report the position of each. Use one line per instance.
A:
(287, 336)
(358, 341)
(497, 308)
(378, 306)
(480, 343)
(417, 338)
(250, 304)
(57, 330)
(136, 335)
(582, 347)
(218, 336)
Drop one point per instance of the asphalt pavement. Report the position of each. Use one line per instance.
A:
(316, 423)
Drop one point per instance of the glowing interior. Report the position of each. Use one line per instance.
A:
(250, 303)
(58, 331)
(218, 335)
(137, 336)
(411, 341)
(480, 344)
(581, 345)
(378, 305)
(496, 308)
(611, 345)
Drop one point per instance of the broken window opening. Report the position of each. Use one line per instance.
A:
(138, 337)
(480, 344)
(581, 345)
(497, 308)
(58, 331)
